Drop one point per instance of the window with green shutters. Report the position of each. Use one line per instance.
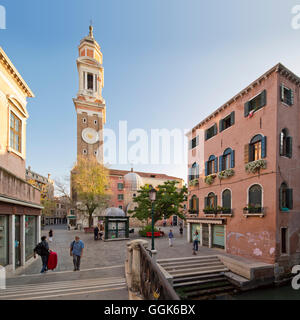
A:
(194, 142)
(120, 186)
(255, 103)
(120, 197)
(285, 197)
(194, 205)
(226, 122)
(286, 95)
(210, 132)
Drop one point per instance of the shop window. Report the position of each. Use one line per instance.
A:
(226, 122)
(30, 235)
(256, 149)
(211, 166)
(255, 103)
(285, 144)
(15, 132)
(4, 240)
(285, 197)
(210, 132)
(286, 95)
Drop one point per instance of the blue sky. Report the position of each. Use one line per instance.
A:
(168, 63)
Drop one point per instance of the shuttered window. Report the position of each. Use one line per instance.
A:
(194, 143)
(210, 132)
(285, 197)
(211, 201)
(255, 196)
(226, 199)
(226, 122)
(286, 95)
(211, 166)
(256, 103)
(257, 149)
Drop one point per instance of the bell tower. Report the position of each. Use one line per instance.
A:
(89, 103)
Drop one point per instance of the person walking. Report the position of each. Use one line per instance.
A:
(42, 249)
(50, 235)
(96, 233)
(195, 241)
(76, 250)
(171, 237)
(181, 230)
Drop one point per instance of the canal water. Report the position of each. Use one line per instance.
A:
(276, 293)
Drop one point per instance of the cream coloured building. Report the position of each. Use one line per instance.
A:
(20, 207)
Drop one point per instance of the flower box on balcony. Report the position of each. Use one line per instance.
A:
(210, 179)
(254, 166)
(225, 174)
(191, 211)
(253, 211)
(194, 182)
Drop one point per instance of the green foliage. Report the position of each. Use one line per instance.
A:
(169, 202)
(210, 179)
(144, 230)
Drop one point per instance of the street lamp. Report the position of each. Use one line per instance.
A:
(152, 197)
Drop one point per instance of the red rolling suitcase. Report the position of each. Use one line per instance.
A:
(52, 260)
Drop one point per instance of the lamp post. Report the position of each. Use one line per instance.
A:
(152, 197)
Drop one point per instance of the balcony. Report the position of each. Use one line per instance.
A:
(14, 187)
(223, 212)
(256, 211)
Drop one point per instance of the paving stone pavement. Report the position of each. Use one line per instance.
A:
(102, 274)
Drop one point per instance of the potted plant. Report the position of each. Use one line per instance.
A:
(209, 210)
(225, 174)
(210, 179)
(194, 183)
(253, 209)
(255, 166)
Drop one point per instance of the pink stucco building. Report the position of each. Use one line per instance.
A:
(244, 171)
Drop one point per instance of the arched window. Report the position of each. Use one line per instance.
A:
(211, 201)
(285, 141)
(211, 166)
(194, 204)
(226, 199)
(226, 161)
(255, 196)
(257, 148)
(285, 197)
(194, 171)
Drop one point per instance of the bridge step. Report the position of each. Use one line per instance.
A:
(196, 282)
(161, 261)
(198, 271)
(191, 262)
(197, 277)
(192, 267)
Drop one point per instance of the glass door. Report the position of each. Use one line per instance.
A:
(3, 240)
(17, 241)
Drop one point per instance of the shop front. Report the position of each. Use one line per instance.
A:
(4, 239)
(211, 231)
(30, 235)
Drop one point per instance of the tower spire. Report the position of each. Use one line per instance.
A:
(91, 30)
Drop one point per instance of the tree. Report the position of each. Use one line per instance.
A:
(90, 183)
(169, 202)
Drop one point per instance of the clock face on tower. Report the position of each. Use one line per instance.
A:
(90, 135)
